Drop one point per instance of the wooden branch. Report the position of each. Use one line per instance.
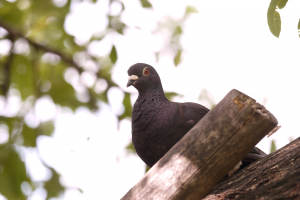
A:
(276, 176)
(204, 156)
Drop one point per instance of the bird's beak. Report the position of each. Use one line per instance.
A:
(132, 80)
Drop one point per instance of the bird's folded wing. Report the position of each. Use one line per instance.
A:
(253, 155)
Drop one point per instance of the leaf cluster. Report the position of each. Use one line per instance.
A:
(172, 30)
(273, 16)
(44, 61)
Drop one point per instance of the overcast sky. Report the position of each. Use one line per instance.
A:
(227, 45)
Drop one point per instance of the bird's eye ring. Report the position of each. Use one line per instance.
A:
(146, 71)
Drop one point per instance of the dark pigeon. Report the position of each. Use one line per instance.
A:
(157, 123)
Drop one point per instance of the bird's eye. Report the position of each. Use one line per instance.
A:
(146, 71)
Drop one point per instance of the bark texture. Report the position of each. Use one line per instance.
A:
(277, 176)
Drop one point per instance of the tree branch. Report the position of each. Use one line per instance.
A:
(275, 176)
(18, 34)
(6, 65)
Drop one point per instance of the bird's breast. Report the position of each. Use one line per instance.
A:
(151, 116)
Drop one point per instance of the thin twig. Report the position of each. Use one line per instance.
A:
(6, 67)
(18, 34)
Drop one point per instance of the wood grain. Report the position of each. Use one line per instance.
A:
(276, 176)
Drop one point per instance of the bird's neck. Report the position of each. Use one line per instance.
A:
(153, 93)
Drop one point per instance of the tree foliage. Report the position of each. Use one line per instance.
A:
(44, 61)
(274, 20)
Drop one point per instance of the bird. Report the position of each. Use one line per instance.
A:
(157, 123)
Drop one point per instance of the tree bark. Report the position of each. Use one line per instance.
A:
(203, 157)
(276, 176)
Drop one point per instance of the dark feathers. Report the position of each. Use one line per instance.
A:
(157, 123)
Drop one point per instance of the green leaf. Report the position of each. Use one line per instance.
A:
(8, 121)
(299, 28)
(10, 13)
(282, 4)
(273, 16)
(178, 31)
(146, 4)
(170, 95)
(117, 25)
(113, 55)
(273, 146)
(177, 58)
(128, 107)
(61, 92)
(12, 173)
(22, 75)
(53, 186)
(47, 128)
(274, 23)
(29, 136)
(190, 9)
(147, 169)
(130, 149)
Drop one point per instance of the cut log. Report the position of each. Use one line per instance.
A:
(276, 176)
(204, 156)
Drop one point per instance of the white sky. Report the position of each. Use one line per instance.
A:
(226, 45)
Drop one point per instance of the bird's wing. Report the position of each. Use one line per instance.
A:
(253, 155)
(191, 113)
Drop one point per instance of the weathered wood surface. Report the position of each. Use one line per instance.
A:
(203, 157)
(276, 176)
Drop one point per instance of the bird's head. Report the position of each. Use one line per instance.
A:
(143, 77)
